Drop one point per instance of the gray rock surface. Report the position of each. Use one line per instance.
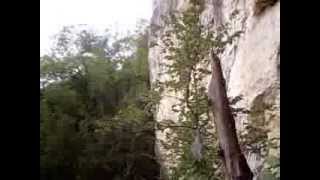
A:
(251, 65)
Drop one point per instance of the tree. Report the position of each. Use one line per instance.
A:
(95, 120)
(187, 45)
(235, 162)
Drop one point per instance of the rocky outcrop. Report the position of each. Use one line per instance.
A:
(251, 65)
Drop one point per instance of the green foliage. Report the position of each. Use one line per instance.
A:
(186, 45)
(95, 108)
(254, 138)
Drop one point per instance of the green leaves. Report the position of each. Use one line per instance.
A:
(186, 47)
(96, 109)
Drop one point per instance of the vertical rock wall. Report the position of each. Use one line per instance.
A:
(251, 65)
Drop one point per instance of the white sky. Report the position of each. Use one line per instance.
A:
(122, 15)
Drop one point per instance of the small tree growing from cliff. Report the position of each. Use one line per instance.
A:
(187, 45)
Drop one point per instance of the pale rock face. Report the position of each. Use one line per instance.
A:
(251, 65)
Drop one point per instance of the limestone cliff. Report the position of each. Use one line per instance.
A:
(251, 65)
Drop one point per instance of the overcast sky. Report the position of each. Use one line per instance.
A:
(120, 15)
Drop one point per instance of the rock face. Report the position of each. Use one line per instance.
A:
(251, 65)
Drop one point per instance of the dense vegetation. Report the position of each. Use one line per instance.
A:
(96, 117)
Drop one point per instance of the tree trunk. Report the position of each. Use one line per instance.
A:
(235, 162)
